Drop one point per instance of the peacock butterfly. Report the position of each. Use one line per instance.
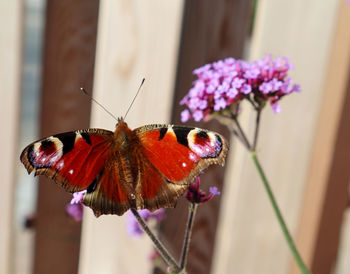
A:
(148, 167)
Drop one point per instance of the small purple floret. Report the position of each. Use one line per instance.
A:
(78, 197)
(75, 211)
(75, 207)
(185, 115)
(214, 190)
(195, 195)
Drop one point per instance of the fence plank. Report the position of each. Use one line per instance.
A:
(251, 240)
(211, 30)
(69, 48)
(136, 39)
(327, 193)
(10, 78)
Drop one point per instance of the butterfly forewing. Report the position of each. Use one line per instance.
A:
(71, 159)
(181, 153)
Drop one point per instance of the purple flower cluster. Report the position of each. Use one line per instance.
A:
(225, 83)
(195, 195)
(133, 226)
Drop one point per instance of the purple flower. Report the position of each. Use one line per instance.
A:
(75, 211)
(252, 73)
(232, 93)
(75, 207)
(214, 190)
(219, 104)
(195, 195)
(237, 82)
(133, 226)
(246, 89)
(198, 115)
(185, 115)
(276, 108)
(78, 197)
(265, 88)
(225, 83)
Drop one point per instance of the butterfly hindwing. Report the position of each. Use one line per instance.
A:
(72, 159)
(109, 195)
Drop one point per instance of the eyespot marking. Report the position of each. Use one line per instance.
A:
(205, 143)
(45, 153)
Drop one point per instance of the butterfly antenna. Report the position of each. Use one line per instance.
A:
(133, 100)
(93, 99)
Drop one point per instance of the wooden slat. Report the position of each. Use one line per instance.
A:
(136, 39)
(10, 77)
(342, 265)
(251, 240)
(327, 192)
(211, 30)
(69, 49)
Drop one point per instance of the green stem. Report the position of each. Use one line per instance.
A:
(280, 219)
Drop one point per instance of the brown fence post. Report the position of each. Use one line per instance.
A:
(211, 30)
(69, 52)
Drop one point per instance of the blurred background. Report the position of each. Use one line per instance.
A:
(49, 49)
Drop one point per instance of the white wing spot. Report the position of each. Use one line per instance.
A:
(184, 164)
(71, 171)
(192, 157)
(54, 159)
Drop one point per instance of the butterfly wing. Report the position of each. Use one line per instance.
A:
(72, 159)
(172, 157)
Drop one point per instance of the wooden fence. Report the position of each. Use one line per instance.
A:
(108, 47)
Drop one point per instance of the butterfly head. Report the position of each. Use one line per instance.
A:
(120, 124)
(122, 134)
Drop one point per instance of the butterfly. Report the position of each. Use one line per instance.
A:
(148, 167)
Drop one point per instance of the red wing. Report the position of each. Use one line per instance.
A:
(108, 195)
(72, 159)
(154, 190)
(178, 154)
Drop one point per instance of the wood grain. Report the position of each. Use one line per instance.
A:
(327, 192)
(10, 78)
(69, 51)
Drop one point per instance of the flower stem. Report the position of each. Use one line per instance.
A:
(158, 245)
(257, 124)
(280, 219)
(191, 214)
(241, 132)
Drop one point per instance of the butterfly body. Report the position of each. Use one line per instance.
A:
(148, 167)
